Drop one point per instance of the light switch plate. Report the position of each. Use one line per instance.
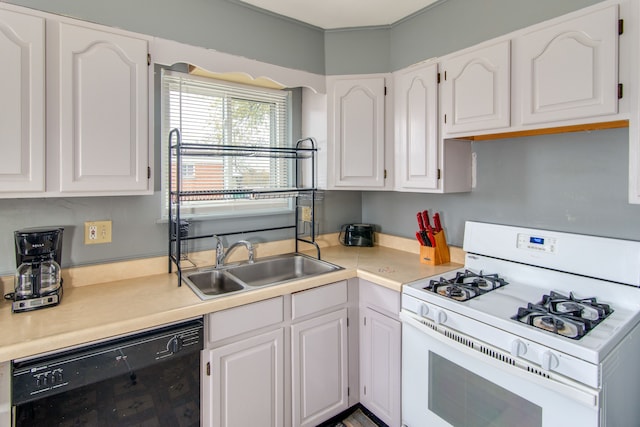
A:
(96, 232)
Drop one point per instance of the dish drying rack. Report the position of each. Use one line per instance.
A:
(305, 150)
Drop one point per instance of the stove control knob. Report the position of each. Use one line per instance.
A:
(518, 348)
(549, 361)
(440, 317)
(424, 310)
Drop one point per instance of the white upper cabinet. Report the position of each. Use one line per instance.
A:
(569, 69)
(22, 115)
(475, 95)
(416, 126)
(99, 85)
(75, 100)
(356, 132)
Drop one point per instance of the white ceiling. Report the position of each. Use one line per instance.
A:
(332, 14)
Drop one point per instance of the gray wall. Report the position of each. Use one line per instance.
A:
(574, 182)
(358, 51)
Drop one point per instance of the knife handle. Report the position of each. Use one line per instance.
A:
(420, 239)
(425, 218)
(436, 222)
(420, 222)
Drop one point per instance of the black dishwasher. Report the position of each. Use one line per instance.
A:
(147, 378)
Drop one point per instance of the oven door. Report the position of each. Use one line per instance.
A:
(447, 383)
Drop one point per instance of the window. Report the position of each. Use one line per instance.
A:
(213, 112)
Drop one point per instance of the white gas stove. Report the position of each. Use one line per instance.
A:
(532, 312)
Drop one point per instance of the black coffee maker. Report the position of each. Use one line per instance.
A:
(38, 283)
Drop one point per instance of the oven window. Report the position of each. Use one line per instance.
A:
(465, 399)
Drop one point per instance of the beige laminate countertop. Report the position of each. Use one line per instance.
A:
(96, 312)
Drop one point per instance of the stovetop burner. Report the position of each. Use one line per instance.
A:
(569, 316)
(465, 285)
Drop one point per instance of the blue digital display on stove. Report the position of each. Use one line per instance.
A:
(536, 240)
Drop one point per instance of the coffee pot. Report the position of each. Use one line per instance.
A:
(37, 282)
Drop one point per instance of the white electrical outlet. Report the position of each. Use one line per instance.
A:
(97, 232)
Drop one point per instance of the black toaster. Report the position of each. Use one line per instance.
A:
(356, 235)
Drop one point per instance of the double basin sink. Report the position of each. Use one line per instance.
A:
(217, 282)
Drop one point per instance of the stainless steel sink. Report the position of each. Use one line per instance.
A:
(213, 283)
(281, 269)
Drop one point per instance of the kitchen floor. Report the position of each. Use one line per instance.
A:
(358, 416)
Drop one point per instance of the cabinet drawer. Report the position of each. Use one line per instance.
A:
(318, 299)
(382, 299)
(235, 321)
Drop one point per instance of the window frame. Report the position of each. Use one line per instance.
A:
(230, 207)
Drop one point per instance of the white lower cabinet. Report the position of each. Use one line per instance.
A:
(380, 352)
(243, 380)
(278, 362)
(319, 363)
(247, 385)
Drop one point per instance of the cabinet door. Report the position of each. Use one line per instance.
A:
(357, 117)
(569, 70)
(380, 365)
(246, 386)
(102, 127)
(475, 90)
(319, 368)
(22, 121)
(416, 119)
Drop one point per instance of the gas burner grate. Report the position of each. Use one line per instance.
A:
(465, 285)
(485, 282)
(568, 316)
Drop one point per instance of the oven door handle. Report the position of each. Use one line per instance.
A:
(568, 388)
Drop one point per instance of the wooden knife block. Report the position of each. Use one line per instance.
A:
(436, 255)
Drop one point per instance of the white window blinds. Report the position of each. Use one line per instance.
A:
(213, 112)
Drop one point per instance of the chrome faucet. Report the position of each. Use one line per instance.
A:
(221, 256)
